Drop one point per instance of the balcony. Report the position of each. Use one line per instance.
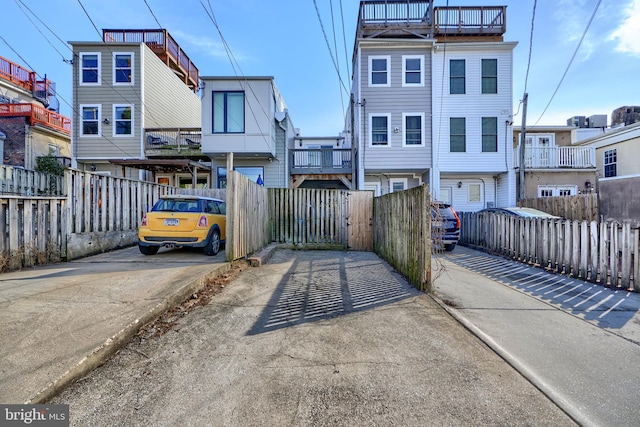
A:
(323, 161)
(418, 18)
(37, 115)
(184, 142)
(557, 158)
(28, 80)
(164, 46)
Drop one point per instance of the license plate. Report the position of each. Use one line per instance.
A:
(171, 222)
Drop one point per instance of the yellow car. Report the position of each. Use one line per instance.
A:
(187, 221)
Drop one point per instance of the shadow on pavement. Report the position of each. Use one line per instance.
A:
(317, 288)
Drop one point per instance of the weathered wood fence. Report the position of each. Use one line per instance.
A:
(28, 183)
(402, 233)
(605, 253)
(583, 207)
(247, 216)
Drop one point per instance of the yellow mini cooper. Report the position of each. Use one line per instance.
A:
(187, 221)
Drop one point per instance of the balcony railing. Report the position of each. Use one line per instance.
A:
(557, 157)
(173, 142)
(404, 18)
(321, 161)
(37, 115)
(163, 45)
(26, 79)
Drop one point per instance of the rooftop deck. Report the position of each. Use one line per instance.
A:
(26, 79)
(418, 18)
(164, 46)
(37, 115)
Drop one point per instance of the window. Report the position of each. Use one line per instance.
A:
(122, 120)
(412, 70)
(489, 134)
(555, 190)
(546, 192)
(90, 72)
(457, 76)
(413, 129)
(610, 163)
(90, 120)
(379, 130)
(228, 112)
(122, 68)
(457, 135)
(474, 193)
(379, 71)
(565, 192)
(397, 184)
(489, 76)
(254, 173)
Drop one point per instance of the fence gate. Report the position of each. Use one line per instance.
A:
(318, 216)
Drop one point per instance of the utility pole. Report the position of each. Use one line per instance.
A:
(523, 138)
(354, 177)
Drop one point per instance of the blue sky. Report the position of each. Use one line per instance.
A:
(284, 39)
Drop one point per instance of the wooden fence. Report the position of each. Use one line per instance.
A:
(402, 233)
(308, 216)
(606, 253)
(28, 183)
(247, 216)
(582, 207)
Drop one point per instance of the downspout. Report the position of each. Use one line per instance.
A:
(286, 149)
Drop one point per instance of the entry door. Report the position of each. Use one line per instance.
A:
(445, 195)
(327, 156)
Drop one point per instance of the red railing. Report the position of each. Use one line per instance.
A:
(37, 114)
(24, 78)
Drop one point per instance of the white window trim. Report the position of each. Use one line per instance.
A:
(469, 185)
(404, 129)
(404, 70)
(388, 116)
(373, 186)
(99, 82)
(555, 189)
(388, 58)
(99, 134)
(113, 69)
(404, 181)
(605, 164)
(113, 121)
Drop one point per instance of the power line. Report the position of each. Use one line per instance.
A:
(571, 60)
(335, 46)
(91, 20)
(344, 40)
(152, 14)
(533, 18)
(20, 2)
(326, 39)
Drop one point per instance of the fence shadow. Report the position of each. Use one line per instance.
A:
(327, 284)
(606, 307)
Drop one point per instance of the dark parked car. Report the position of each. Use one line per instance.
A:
(445, 226)
(522, 212)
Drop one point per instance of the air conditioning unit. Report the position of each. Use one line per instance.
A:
(577, 121)
(597, 121)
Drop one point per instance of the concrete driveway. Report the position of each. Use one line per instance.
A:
(312, 338)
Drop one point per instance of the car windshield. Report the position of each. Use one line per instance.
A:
(177, 205)
(444, 211)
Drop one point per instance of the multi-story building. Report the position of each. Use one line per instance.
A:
(136, 110)
(433, 100)
(30, 126)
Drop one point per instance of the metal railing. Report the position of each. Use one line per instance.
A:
(320, 160)
(37, 115)
(163, 141)
(26, 79)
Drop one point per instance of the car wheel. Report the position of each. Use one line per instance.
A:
(148, 250)
(213, 246)
(450, 247)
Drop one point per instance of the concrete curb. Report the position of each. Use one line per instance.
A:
(569, 409)
(99, 355)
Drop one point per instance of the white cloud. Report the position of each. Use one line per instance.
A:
(206, 45)
(572, 17)
(627, 34)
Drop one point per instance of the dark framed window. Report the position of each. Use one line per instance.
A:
(379, 130)
(379, 70)
(228, 112)
(489, 76)
(90, 120)
(610, 163)
(123, 68)
(457, 79)
(457, 134)
(489, 134)
(413, 130)
(90, 64)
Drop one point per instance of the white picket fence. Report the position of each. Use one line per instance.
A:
(600, 252)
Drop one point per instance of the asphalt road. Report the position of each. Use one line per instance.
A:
(577, 341)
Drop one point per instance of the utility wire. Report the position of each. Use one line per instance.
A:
(19, 3)
(571, 60)
(329, 47)
(344, 40)
(91, 20)
(533, 18)
(335, 46)
(153, 14)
